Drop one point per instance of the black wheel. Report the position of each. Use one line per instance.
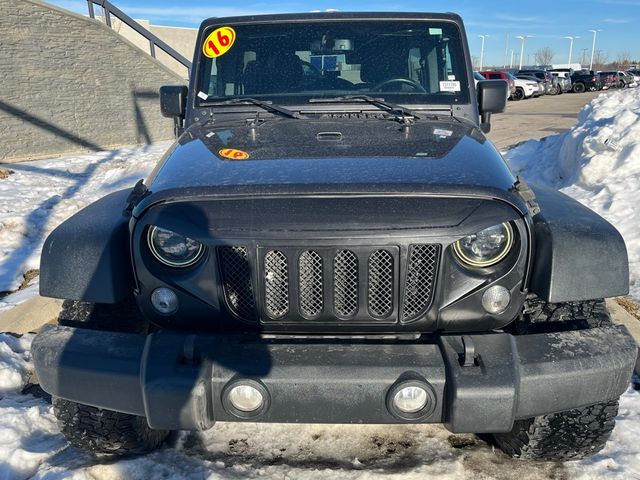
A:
(579, 87)
(518, 94)
(569, 435)
(104, 432)
(120, 317)
(575, 433)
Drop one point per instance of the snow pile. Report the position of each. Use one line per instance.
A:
(28, 432)
(596, 162)
(42, 194)
(14, 363)
(620, 458)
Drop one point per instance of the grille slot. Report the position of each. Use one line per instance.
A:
(345, 283)
(276, 273)
(380, 290)
(310, 283)
(420, 281)
(236, 274)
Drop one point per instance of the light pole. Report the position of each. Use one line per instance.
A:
(482, 51)
(522, 39)
(511, 62)
(593, 47)
(571, 39)
(506, 50)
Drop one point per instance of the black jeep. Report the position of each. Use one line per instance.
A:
(333, 239)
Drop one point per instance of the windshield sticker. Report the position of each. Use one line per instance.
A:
(233, 154)
(203, 96)
(219, 42)
(435, 31)
(449, 86)
(451, 77)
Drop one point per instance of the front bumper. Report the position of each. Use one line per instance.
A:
(177, 381)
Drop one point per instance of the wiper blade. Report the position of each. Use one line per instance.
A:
(259, 103)
(378, 102)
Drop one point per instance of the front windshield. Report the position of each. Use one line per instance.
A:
(419, 62)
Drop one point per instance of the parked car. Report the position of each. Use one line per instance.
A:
(608, 80)
(541, 84)
(551, 86)
(334, 258)
(629, 79)
(526, 88)
(617, 78)
(583, 81)
(498, 75)
(564, 80)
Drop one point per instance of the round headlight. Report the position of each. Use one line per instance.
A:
(173, 249)
(486, 247)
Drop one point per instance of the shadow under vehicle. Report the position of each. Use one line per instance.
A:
(333, 239)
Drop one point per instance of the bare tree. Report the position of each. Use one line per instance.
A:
(600, 60)
(543, 56)
(623, 59)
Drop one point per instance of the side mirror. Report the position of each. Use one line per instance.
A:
(492, 98)
(173, 100)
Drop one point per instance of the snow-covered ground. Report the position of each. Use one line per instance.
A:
(597, 162)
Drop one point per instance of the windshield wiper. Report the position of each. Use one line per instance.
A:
(382, 104)
(252, 101)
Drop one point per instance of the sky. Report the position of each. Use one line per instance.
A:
(545, 21)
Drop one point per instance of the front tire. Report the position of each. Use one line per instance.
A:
(104, 432)
(569, 435)
(572, 434)
(518, 94)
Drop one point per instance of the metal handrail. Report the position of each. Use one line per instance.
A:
(110, 9)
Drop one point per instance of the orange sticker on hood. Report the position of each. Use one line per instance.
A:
(219, 42)
(233, 154)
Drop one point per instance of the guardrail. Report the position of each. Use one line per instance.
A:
(110, 9)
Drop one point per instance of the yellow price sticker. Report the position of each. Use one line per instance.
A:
(233, 154)
(219, 42)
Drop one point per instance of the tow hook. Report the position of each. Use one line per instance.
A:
(468, 358)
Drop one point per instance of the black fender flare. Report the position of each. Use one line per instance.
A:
(578, 254)
(88, 257)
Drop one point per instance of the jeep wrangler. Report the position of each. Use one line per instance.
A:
(333, 239)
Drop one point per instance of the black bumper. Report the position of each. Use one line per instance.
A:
(178, 380)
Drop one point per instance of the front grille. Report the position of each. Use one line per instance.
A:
(356, 284)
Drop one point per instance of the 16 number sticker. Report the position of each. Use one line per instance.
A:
(233, 154)
(219, 42)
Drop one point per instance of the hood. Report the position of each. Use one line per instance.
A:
(332, 156)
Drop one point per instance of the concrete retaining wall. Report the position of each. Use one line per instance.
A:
(71, 84)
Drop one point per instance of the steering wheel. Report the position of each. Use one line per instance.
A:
(406, 81)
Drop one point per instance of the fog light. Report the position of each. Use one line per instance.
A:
(410, 399)
(164, 300)
(246, 398)
(496, 299)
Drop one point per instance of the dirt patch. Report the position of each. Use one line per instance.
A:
(5, 172)
(27, 277)
(630, 306)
